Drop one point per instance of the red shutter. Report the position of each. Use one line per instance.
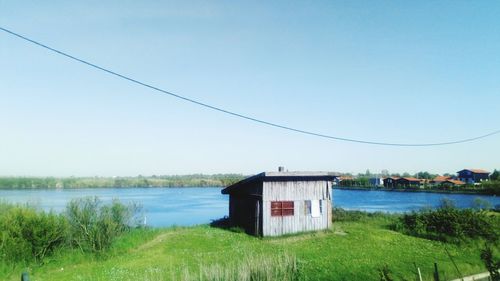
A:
(282, 208)
(276, 212)
(275, 205)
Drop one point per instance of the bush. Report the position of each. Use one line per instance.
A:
(94, 226)
(491, 262)
(491, 187)
(481, 204)
(27, 234)
(450, 224)
(339, 215)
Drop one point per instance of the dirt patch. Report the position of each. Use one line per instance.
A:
(156, 241)
(299, 237)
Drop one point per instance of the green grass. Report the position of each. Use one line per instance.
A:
(353, 250)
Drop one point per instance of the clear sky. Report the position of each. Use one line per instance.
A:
(396, 71)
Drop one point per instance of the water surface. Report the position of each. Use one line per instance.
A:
(191, 206)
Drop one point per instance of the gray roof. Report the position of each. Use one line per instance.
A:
(282, 176)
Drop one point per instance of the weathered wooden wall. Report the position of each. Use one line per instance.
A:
(245, 208)
(297, 191)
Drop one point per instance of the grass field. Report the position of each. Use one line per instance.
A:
(349, 251)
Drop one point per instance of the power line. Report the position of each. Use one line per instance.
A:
(284, 127)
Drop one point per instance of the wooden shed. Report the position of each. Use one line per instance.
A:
(277, 203)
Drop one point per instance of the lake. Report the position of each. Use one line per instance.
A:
(190, 206)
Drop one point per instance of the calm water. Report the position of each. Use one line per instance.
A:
(190, 206)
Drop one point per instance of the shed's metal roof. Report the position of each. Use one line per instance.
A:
(281, 176)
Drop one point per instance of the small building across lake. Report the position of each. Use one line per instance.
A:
(277, 203)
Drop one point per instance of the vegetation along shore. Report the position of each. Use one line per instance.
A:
(346, 181)
(359, 246)
(198, 180)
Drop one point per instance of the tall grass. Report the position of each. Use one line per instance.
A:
(282, 268)
(251, 268)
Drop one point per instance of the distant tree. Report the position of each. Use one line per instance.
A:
(362, 181)
(495, 175)
(395, 175)
(424, 175)
(406, 174)
(448, 175)
(384, 173)
(367, 173)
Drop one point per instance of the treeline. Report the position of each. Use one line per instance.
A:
(198, 180)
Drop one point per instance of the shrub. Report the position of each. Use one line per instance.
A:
(491, 263)
(339, 215)
(491, 187)
(27, 234)
(450, 224)
(93, 226)
(481, 204)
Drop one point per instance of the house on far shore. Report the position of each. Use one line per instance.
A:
(439, 180)
(473, 176)
(376, 181)
(277, 203)
(408, 182)
(343, 180)
(452, 183)
(390, 182)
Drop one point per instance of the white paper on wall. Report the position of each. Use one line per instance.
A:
(315, 208)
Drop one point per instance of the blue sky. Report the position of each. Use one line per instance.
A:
(394, 71)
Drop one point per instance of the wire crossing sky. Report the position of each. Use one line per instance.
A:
(232, 113)
(122, 88)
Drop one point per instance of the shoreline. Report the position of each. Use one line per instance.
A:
(360, 188)
(466, 192)
(109, 187)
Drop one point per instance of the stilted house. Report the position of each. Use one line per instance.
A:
(408, 182)
(390, 182)
(376, 181)
(452, 183)
(437, 181)
(277, 203)
(473, 176)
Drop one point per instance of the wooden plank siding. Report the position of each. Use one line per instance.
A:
(298, 192)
